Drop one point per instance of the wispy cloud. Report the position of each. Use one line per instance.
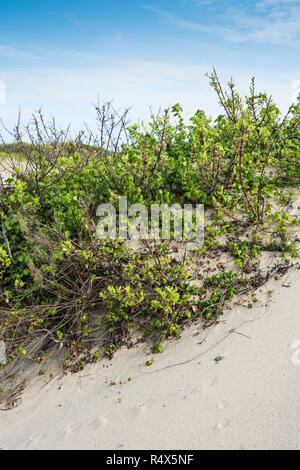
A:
(8, 51)
(68, 94)
(266, 21)
(277, 23)
(193, 26)
(15, 53)
(275, 3)
(39, 56)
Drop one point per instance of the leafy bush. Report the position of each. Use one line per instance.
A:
(60, 284)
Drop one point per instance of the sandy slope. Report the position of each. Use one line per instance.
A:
(185, 400)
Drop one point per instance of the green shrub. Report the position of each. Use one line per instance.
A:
(64, 286)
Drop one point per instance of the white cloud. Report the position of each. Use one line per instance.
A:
(7, 51)
(268, 21)
(68, 94)
(274, 3)
(192, 26)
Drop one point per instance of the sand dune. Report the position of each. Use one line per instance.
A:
(233, 386)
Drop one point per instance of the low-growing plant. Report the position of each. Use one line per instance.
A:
(62, 286)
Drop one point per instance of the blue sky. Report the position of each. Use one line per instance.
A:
(62, 55)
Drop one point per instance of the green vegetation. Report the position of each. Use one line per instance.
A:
(61, 285)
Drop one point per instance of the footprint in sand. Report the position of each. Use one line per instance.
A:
(98, 423)
(222, 405)
(223, 422)
(141, 408)
(209, 384)
(33, 441)
(68, 431)
(222, 425)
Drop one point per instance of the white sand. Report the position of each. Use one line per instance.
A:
(185, 400)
